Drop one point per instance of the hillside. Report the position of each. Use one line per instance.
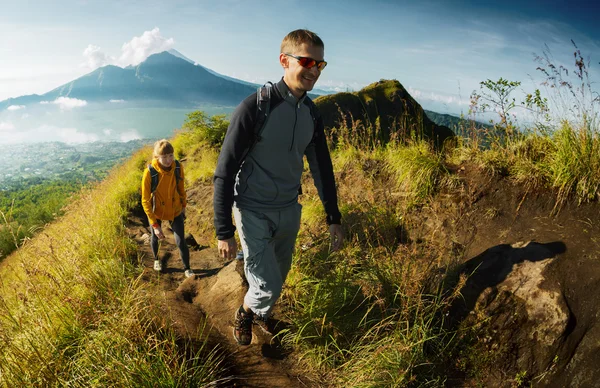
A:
(384, 105)
(496, 232)
(458, 125)
(446, 265)
(464, 265)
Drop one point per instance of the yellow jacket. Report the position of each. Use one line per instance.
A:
(170, 197)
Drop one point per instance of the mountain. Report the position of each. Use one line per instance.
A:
(180, 55)
(149, 100)
(163, 79)
(459, 125)
(384, 105)
(314, 93)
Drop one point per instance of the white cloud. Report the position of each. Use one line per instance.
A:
(6, 126)
(437, 97)
(46, 133)
(44, 102)
(66, 103)
(131, 135)
(132, 53)
(72, 135)
(141, 47)
(116, 101)
(16, 107)
(107, 131)
(25, 115)
(338, 86)
(96, 58)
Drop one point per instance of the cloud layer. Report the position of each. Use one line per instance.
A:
(66, 103)
(6, 126)
(45, 133)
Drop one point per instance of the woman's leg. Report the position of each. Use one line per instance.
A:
(178, 231)
(154, 241)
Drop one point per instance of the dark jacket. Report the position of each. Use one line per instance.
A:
(268, 178)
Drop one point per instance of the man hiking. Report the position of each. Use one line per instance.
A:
(258, 176)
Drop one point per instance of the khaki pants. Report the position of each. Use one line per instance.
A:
(268, 240)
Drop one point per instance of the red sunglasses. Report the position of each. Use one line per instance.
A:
(308, 62)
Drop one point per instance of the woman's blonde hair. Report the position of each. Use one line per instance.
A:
(163, 147)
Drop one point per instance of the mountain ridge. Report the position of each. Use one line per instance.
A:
(166, 80)
(155, 79)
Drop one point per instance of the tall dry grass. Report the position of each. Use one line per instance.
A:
(73, 312)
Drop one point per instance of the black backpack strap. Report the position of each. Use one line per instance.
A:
(153, 178)
(153, 184)
(263, 108)
(314, 113)
(177, 172)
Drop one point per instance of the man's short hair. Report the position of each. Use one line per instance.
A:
(294, 40)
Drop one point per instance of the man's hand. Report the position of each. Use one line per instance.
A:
(158, 232)
(337, 237)
(228, 248)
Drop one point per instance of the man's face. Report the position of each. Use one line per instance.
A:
(300, 79)
(166, 160)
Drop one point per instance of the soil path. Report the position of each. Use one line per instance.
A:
(213, 293)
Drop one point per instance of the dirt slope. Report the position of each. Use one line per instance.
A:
(214, 293)
(491, 219)
(528, 268)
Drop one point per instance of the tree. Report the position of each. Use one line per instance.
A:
(497, 96)
(211, 130)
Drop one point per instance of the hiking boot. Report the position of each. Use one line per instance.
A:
(267, 325)
(242, 331)
(157, 265)
(189, 273)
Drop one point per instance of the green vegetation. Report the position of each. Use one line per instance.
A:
(38, 181)
(198, 127)
(199, 142)
(370, 315)
(72, 309)
(29, 206)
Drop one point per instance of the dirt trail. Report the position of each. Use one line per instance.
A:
(215, 292)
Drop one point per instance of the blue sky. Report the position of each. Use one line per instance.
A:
(439, 50)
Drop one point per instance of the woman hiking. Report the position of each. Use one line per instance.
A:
(164, 199)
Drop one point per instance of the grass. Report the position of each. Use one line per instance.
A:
(72, 310)
(566, 161)
(416, 169)
(371, 315)
(367, 316)
(574, 166)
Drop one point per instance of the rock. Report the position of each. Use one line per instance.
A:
(191, 241)
(523, 314)
(220, 295)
